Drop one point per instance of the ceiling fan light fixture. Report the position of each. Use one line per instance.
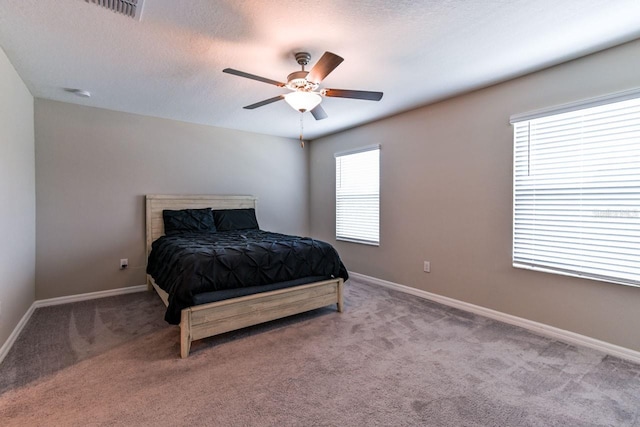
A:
(305, 85)
(303, 101)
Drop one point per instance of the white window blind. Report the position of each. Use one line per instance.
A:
(358, 195)
(577, 192)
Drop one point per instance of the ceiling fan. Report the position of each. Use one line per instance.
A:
(305, 84)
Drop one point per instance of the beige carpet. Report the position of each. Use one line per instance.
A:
(389, 360)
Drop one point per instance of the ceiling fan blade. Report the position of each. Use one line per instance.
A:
(265, 102)
(355, 94)
(319, 113)
(252, 76)
(326, 64)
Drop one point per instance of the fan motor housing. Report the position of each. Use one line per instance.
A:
(298, 81)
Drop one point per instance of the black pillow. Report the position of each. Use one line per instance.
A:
(235, 219)
(188, 220)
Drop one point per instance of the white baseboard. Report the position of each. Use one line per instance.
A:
(4, 350)
(539, 328)
(91, 295)
(16, 332)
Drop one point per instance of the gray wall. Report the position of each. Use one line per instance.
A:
(446, 197)
(94, 166)
(17, 199)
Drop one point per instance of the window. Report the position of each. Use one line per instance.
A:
(577, 189)
(358, 195)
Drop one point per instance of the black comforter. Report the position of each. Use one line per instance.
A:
(193, 263)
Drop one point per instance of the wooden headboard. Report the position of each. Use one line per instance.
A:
(156, 203)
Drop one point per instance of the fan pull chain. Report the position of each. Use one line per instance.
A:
(301, 129)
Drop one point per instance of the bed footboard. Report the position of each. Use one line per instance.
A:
(206, 320)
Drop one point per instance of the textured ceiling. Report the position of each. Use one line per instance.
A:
(169, 64)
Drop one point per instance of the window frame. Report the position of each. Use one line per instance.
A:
(585, 270)
(341, 236)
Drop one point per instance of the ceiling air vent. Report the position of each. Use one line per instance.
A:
(132, 8)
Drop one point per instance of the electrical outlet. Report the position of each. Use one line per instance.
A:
(124, 263)
(427, 267)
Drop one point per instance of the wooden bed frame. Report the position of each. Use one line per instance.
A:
(201, 321)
